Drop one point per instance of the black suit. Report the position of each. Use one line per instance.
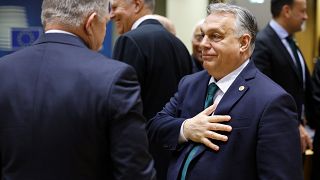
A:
(160, 60)
(273, 59)
(67, 112)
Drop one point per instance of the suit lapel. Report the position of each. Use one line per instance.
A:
(282, 50)
(199, 94)
(195, 105)
(238, 89)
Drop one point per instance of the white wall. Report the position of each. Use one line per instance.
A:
(185, 14)
(261, 11)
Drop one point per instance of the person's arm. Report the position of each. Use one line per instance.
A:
(164, 128)
(128, 138)
(278, 151)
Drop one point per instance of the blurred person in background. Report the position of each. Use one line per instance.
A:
(196, 50)
(277, 55)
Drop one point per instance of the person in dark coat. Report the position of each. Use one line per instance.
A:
(66, 111)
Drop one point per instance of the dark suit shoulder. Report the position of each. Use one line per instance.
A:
(270, 87)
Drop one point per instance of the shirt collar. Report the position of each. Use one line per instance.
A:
(140, 20)
(280, 31)
(59, 31)
(226, 81)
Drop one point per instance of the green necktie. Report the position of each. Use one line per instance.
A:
(294, 50)
(212, 89)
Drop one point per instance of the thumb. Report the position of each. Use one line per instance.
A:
(209, 110)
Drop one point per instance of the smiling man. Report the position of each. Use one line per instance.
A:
(251, 130)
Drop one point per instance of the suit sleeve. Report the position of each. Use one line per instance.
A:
(127, 51)
(278, 141)
(128, 138)
(261, 57)
(164, 128)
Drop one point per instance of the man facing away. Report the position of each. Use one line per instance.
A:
(159, 58)
(264, 140)
(67, 112)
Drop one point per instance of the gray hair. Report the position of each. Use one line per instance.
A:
(71, 12)
(151, 4)
(245, 21)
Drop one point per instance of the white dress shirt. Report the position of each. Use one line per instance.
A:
(282, 34)
(140, 20)
(223, 85)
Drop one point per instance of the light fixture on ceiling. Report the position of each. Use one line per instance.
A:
(257, 1)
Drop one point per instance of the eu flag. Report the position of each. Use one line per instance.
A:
(22, 37)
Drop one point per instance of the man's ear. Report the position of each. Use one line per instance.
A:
(89, 23)
(138, 5)
(245, 42)
(286, 10)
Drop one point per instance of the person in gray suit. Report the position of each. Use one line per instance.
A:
(66, 111)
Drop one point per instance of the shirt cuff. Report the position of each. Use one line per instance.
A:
(182, 138)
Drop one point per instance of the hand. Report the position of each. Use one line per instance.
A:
(306, 142)
(202, 127)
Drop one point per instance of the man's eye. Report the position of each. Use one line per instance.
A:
(215, 37)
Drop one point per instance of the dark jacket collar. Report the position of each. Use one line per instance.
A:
(61, 38)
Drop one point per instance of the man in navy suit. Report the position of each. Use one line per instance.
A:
(67, 112)
(264, 140)
(159, 58)
(274, 57)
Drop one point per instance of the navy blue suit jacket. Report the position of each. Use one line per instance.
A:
(264, 142)
(67, 112)
(272, 58)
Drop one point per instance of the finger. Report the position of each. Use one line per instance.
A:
(215, 136)
(210, 145)
(219, 127)
(219, 118)
(209, 110)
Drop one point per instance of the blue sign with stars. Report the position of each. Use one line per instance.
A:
(22, 37)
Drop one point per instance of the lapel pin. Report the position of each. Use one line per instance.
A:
(241, 88)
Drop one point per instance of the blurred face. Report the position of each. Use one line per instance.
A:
(220, 45)
(196, 40)
(297, 15)
(122, 13)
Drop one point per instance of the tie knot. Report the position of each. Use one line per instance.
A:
(212, 89)
(290, 39)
